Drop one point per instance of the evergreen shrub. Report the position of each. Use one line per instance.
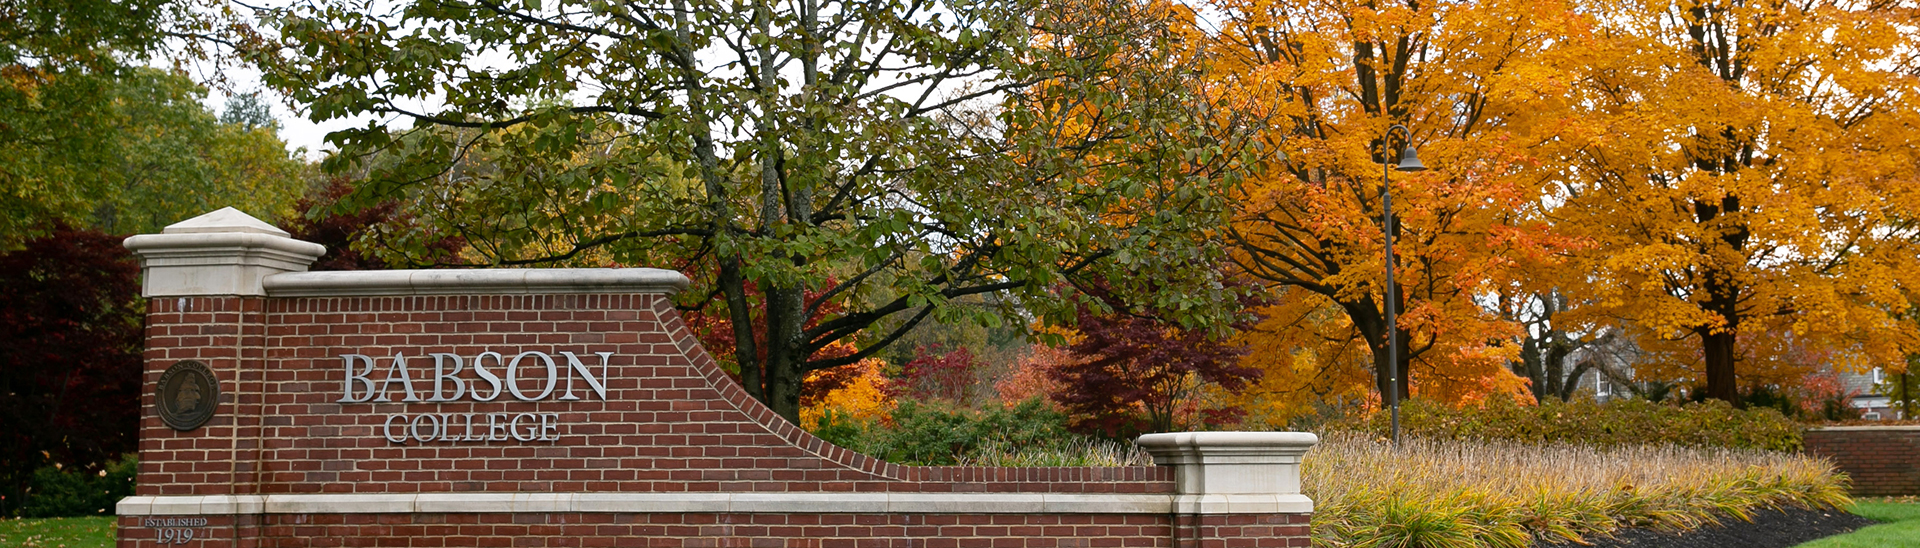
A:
(67, 491)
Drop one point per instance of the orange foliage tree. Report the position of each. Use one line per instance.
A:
(1031, 378)
(1333, 76)
(1746, 172)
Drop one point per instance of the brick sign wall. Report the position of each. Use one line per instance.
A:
(568, 408)
(1883, 461)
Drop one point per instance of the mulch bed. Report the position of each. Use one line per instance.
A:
(1769, 529)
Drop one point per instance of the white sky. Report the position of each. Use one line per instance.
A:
(298, 132)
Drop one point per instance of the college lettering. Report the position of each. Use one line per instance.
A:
(528, 376)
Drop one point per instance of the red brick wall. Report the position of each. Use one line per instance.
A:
(225, 333)
(672, 421)
(1882, 460)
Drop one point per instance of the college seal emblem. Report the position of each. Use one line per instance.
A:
(187, 395)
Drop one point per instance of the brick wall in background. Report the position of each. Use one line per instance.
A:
(1881, 460)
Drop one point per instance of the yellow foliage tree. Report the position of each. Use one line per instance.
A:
(1333, 77)
(1746, 173)
(864, 398)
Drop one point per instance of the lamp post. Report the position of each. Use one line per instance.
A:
(1409, 161)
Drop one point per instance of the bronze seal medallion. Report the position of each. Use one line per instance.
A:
(187, 395)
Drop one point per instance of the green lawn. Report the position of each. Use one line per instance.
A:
(1900, 526)
(90, 532)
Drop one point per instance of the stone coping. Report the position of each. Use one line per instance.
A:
(1893, 427)
(1175, 448)
(518, 281)
(225, 245)
(716, 503)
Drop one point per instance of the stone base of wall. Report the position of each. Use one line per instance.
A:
(696, 530)
(1884, 461)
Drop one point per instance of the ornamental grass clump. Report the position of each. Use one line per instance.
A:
(1454, 493)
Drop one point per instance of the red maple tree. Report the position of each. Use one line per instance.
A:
(1138, 374)
(70, 340)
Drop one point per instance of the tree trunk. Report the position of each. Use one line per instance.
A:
(1530, 366)
(1719, 350)
(1382, 373)
(745, 352)
(785, 310)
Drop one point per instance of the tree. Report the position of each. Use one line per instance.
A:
(248, 111)
(1134, 374)
(70, 340)
(346, 234)
(1031, 377)
(1334, 77)
(889, 158)
(1745, 168)
(90, 137)
(1901, 387)
(938, 373)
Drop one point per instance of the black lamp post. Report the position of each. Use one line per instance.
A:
(1408, 161)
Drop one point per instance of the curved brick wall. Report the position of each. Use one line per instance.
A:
(672, 420)
(633, 436)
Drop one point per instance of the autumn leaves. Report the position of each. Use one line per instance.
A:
(1703, 180)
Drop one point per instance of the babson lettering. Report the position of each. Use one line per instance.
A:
(530, 376)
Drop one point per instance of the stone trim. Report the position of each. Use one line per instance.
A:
(525, 281)
(1892, 428)
(223, 263)
(735, 503)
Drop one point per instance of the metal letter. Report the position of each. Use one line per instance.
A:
(513, 368)
(346, 386)
(470, 436)
(549, 424)
(573, 365)
(415, 429)
(496, 426)
(532, 430)
(487, 375)
(406, 379)
(446, 428)
(440, 374)
(402, 438)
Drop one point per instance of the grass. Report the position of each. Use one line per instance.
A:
(1073, 452)
(1900, 526)
(1445, 494)
(87, 532)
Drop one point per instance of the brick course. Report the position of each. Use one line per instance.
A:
(746, 530)
(1882, 460)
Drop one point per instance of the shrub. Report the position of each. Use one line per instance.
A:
(1500, 494)
(1612, 424)
(59, 491)
(941, 433)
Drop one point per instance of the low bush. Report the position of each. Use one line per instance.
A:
(942, 434)
(58, 492)
(1612, 424)
(1500, 494)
